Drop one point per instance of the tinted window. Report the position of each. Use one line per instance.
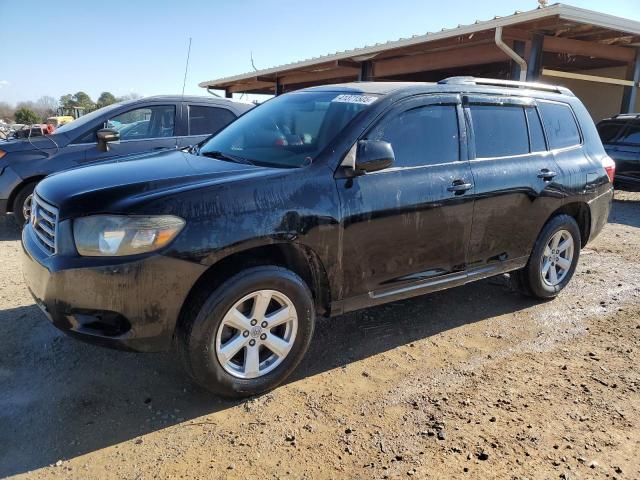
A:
(147, 122)
(632, 135)
(422, 136)
(499, 130)
(560, 125)
(608, 131)
(138, 124)
(536, 134)
(208, 120)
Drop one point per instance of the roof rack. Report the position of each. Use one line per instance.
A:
(505, 83)
(627, 115)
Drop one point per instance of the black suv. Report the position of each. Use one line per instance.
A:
(620, 136)
(318, 202)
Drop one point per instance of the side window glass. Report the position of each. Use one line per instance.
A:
(560, 125)
(422, 136)
(208, 120)
(608, 131)
(157, 121)
(499, 130)
(632, 135)
(536, 134)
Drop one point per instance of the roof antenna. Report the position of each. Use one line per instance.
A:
(186, 67)
(253, 64)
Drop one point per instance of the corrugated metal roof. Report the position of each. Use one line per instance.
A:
(566, 12)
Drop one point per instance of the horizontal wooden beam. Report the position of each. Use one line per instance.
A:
(347, 64)
(459, 57)
(589, 78)
(251, 86)
(588, 49)
(303, 77)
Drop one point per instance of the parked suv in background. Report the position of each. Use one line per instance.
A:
(318, 202)
(144, 125)
(620, 136)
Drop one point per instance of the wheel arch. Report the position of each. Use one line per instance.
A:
(581, 213)
(18, 188)
(299, 259)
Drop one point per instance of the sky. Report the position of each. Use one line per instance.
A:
(126, 46)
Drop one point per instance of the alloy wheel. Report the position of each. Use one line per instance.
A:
(557, 258)
(26, 208)
(256, 334)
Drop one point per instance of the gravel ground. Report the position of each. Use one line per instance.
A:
(473, 382)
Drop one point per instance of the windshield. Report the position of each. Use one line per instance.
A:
(88, 118)
(288, 131)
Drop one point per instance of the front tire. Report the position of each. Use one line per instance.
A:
(553, 260)
(249, 334)
(22, 204)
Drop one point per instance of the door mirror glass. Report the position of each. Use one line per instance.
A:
(373, 155)
(105, 136)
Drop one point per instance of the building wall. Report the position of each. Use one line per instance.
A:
(601, 99)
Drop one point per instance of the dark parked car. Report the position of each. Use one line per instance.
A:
(153, 123)
(620, 136)
(318, 202)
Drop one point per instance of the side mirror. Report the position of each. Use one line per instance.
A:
(105, 136)
(373, 155)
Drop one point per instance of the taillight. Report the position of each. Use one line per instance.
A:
(610, 167)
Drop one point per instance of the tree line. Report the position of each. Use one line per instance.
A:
(46, 106)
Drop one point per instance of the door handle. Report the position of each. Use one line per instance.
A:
(459, 186)
(546, 174)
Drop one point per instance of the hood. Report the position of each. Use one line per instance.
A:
(117, 186)
(43, 142)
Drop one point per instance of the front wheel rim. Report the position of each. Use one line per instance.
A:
(557, 258)
(256, 334)
(26, 207)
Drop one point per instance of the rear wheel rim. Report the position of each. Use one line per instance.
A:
(557, 258)
(256, 334)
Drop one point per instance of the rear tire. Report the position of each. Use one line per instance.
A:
(553, 259)
(208, 330)
(19, 203)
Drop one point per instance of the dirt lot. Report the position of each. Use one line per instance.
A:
(474, 382)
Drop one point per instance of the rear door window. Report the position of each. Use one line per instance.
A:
(422, 136)
(560, 125)
(208, 120)
(499, 130)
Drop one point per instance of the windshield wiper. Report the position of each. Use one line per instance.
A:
(223, 156)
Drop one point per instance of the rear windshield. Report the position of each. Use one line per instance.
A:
(291, 130)
(609, 130)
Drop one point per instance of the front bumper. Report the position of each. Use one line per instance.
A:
(118, 303)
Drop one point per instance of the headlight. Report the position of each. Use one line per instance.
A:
(118, 235)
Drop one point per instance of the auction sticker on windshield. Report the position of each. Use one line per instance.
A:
(360, 99)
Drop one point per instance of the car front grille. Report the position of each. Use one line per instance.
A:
(44, 221)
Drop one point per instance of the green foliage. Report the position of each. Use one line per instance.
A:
(26, 116)
(106, 98)
(79, 99)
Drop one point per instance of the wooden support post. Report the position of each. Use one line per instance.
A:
(366, 71)
(278, 90)
(630, 95)
(534, 65)
(227, 93)
(518, 47)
